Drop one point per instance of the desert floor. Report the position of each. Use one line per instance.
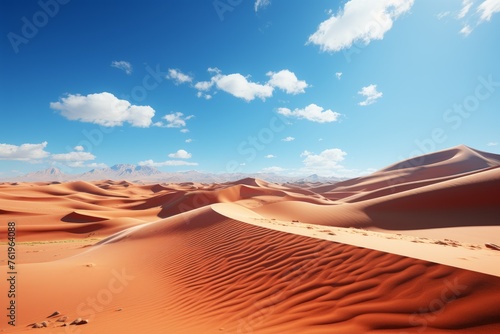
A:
(403, 250)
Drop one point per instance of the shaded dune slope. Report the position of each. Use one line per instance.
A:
(429, 168)
(471, 200)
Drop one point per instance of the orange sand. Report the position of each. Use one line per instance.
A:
(399, 251)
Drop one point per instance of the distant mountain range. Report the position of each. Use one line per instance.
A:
(150, 174)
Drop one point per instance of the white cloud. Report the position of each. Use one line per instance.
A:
(361, 21)
(96, 165)
(152, 163)
(287, 81)
(466, 30)
(242, 87)
(338, 75)
(24, 152)
(492, 144)
(103, 109)
(259, 4)
(122, 65)
(178, 77)
(488, 8)
(371, 94)
(472, 17)
(35, 153)
(312, 112)
(185, 130)
(204, 85)
(442, 15)
(203, 95)
(189, 140)
(288, 139)
(327, 160)
(466, 6)
(270, 156)
(77, 158)
(175, 120)
(73, 156)
(239, 86)
(273, 169)
(180, 154)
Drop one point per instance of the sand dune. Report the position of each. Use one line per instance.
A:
(399, 251)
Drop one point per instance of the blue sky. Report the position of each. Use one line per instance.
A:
(329, 87)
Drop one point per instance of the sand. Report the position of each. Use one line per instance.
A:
(400, 251)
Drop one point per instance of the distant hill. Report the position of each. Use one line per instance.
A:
(49, 174)
(130, 172)
(120, 171)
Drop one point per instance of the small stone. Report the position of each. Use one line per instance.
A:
(79, 321)
(56, 313)
(62, 319)
(40, 324)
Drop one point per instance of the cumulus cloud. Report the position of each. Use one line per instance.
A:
(180, 154)
(270, 156)
(492, 143)
(327, 160)
(178, 77)
(204, 85)
(73, 156)
(203, 95)
(242, 87)
(189, 140)
(359, 21)
(175, 120)
(239, 86)
(122, 65)
(287, 81)
(259, 4)
(104, 109)
(371, 94)
(35, 153)
(338, 75)
(24, 152)
(312, 112)
(77, 158)
(152, 163)
(288, 139)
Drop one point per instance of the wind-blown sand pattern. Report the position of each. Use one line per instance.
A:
(399, 251)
